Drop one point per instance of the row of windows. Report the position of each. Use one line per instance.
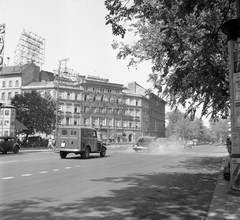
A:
(7, 96)
(101, 90)
(98, 122)
(97, 97)
(10, 84)
(87, 109)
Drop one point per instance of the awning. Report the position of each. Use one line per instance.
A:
(20, 126)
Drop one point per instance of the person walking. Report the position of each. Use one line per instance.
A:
(50, 144)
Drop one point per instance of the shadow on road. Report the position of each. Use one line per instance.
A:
(182, 192)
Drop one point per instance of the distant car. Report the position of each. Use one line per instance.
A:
(163, 143)
(9, 144)
(145, 143)
(188, 145)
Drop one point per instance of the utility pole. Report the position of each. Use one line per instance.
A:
(58, 76)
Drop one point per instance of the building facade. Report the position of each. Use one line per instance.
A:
(118, 112)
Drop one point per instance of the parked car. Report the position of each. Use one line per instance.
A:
(145, 143)
(9, 144)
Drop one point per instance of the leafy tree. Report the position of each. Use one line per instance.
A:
(35, 112)
(184, 42)
(181, 127)
(220, 129)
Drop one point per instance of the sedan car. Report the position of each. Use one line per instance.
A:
(9, 144)
(145, 143)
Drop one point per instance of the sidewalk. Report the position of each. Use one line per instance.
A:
(225, 205)
(35, 149)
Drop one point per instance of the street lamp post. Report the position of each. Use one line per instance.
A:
(58, 76)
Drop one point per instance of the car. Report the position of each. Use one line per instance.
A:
(163, 143)
(188, 145)
(145, 143)
(9, 144)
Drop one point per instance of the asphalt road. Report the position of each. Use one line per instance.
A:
(175, 184)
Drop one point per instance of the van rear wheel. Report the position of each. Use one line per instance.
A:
(63, 154)
(86, 153)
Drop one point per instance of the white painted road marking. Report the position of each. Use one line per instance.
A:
(43, 172)
(27, 174)
(7, 178)
(56, 170)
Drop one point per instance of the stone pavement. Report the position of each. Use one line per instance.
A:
(225, 205)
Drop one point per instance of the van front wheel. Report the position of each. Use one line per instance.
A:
(86, 153)
(63, 154)
(103, 152)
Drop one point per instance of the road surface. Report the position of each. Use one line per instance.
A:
(175, 184)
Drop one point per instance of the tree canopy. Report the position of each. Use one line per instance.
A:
(35, 112)
(180, 127)
(185, 45)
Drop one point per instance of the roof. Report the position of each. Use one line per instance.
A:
(20, 126)
(13, 69)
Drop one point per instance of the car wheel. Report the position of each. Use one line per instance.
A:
(103, 152)
(63, 154)
(86, 153)
(4, 152)
(136, 151)
(15, 149)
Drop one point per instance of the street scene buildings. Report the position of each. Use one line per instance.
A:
(118, 112)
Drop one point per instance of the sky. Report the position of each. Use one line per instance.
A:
(73, 29)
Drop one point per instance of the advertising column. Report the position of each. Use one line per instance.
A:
(232, 30)
(7, 120)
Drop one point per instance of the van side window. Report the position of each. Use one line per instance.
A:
(64, 132)
(87, 133)
(73, 133)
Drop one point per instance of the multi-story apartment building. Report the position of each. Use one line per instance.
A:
(115, 111)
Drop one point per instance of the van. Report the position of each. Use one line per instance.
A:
(78, 140)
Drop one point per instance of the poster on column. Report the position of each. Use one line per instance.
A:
(235, 173)
(236, 91)
(235, 143)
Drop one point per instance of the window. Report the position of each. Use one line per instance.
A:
(10, 83)
(75, 122)
(17, 83)
(76, 95)
(64, 132)
(85, 121)
(85, 97)
(3, 84)
(73, 133)
(68, 96)
(75, 109)
(136, 102)
(59, 95)
(9, 95)
(3, 96)
(67, 121)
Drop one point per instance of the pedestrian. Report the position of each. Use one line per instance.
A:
(50, 144)
(229, 145)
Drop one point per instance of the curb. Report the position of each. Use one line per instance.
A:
(224, 205)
